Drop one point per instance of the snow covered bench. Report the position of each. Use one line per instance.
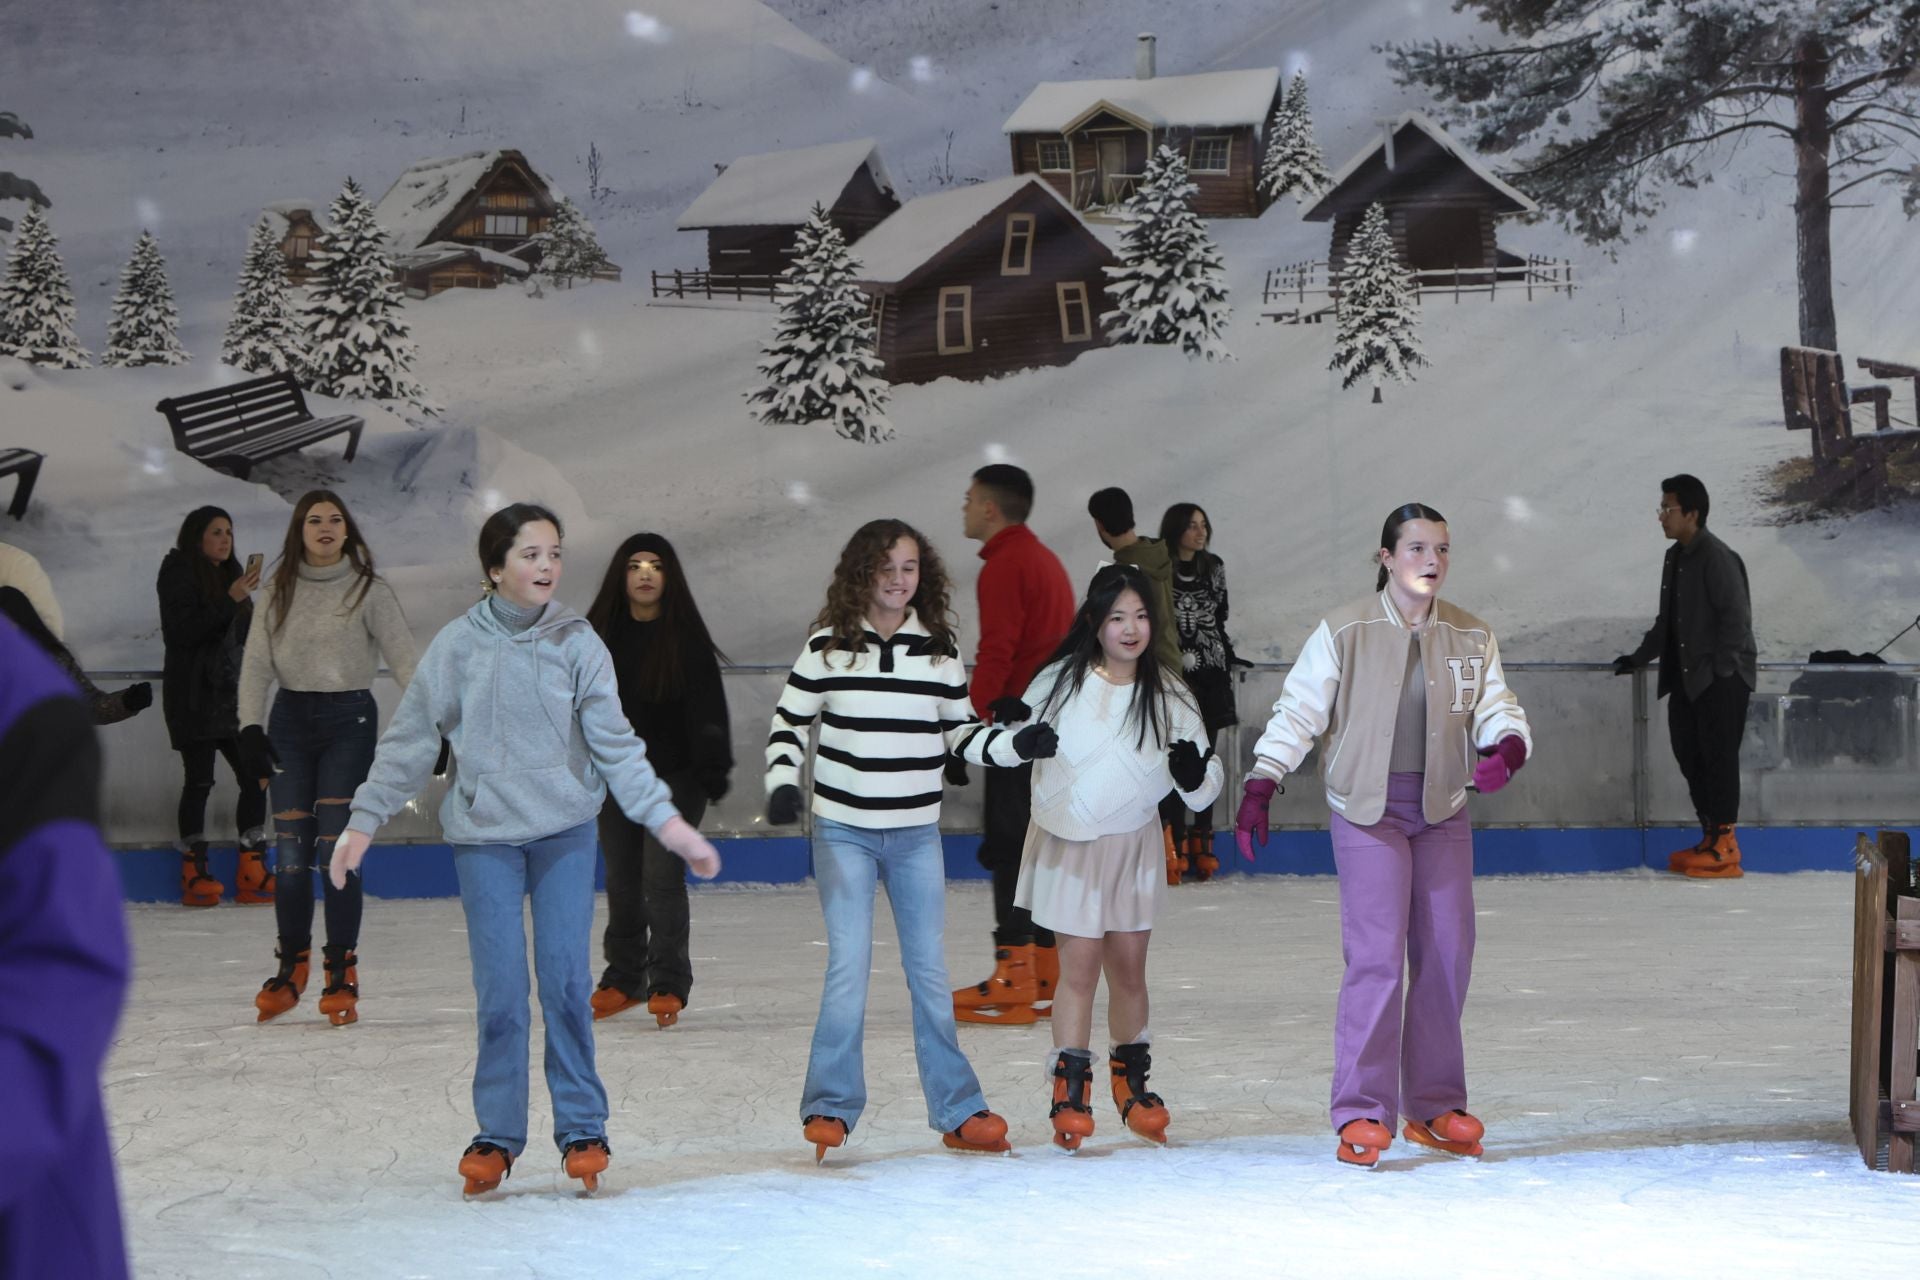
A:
(1814, 392)
(233, 427)
(24, 464)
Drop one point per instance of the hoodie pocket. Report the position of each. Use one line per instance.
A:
(523, 799)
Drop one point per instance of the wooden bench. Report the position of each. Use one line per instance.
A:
(25, 465)
(1814, 393)
(233, 427)
(1885, 1058)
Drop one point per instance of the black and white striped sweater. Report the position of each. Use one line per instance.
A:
(889, 716)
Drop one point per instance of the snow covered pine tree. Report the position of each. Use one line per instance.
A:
(1170, 285)
(357, 343)
(820, 365)
(1293, 164)
(145, 325)
(1375, 309)
(36, 301)
(264, 334)
(12, 185)
(573, 252)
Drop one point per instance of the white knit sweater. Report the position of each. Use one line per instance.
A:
(1101, 782)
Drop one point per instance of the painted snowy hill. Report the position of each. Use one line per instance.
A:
(1541, 428)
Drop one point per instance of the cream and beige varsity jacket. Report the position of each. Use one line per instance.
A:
(1344, 692)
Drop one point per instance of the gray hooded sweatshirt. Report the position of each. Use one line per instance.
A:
(537, 731)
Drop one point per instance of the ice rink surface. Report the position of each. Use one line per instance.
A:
(1661, 1065)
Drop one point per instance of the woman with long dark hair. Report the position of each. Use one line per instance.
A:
(1405, 694)
(524, 691)
(882, 672)
(1091, 870)
(668, 670)
(325, 621)
(205, 608)
(1206, 662)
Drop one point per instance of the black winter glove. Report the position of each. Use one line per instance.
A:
(137, 697)
(1036, 742)
(714, 785)
(257, 756)
(783, 806)
(1009, 710)
(1623, 665)
(955, 772)
(445, 758)
(1187, 765)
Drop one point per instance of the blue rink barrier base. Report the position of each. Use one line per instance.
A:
(426, 870)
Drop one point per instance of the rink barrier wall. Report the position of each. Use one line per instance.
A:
(426, 870)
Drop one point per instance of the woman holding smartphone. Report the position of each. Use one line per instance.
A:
(206, 605)
(325, 622)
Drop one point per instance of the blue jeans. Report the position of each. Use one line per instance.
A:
(325, 742)
(557, 871)
(847, 863)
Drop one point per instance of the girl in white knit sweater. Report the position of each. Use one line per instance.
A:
(1092, 870)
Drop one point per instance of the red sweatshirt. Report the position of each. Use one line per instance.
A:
(1026, 607)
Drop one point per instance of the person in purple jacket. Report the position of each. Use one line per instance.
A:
(64, 967)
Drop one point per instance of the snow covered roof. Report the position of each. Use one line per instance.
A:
(1222, 98)
(282, 211)
(422, 197)
(780, 188)
(441, 252)
(925, 225)
(1324, 207)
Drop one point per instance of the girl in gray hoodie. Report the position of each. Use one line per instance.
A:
(524, 691)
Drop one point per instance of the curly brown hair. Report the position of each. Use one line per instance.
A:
(850, 593)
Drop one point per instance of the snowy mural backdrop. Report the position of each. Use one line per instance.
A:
(1350, 295)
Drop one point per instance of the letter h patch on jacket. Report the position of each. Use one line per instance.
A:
(1468, 678)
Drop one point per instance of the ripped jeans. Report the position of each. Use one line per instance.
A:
(325, 742)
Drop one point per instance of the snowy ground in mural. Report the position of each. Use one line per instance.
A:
(1541, 430)
(1662, 1066)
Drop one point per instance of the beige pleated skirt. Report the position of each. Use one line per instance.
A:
(1088, 888)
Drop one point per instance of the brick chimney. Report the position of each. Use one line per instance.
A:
(1143, 57)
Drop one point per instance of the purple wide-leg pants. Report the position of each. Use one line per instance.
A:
(1406, 897)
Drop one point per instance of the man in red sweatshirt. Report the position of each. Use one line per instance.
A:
(1026, 605)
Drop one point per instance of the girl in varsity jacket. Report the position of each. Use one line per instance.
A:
(1129, 733)
(882, 674)
(1405, 696)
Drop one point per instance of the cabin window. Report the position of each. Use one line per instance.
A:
(1211, 154)
(501, 224)
(955, 334)
(299, 247)
(876, 309)
(1016, 252)
(1055, 156)
(1076, 317)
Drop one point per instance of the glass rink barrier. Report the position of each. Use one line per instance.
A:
(1824, 745)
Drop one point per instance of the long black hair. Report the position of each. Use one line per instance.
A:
(211, 579)
(1173, 527)
(1154, 686)
(681, 631)
(1390, 532)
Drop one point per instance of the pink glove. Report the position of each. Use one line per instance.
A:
(1499, 763)
(1251, 821)
(679, 838)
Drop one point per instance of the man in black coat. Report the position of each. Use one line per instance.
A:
(1703, 640)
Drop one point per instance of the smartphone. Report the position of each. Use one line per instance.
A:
(253, 563)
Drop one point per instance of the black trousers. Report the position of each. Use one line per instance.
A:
(250, 814)
(1008, 801)
(1706, 733)
(647, 918)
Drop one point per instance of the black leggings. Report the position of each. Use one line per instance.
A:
(250, 814)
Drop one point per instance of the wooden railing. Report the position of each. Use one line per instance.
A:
(709, 284)
(1312, 287)
(1885, 1057)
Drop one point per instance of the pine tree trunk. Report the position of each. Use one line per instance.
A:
(1812, 211)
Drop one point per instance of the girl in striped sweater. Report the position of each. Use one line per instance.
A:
(882, 674)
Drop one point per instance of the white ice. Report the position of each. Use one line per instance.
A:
(1662, 1066)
